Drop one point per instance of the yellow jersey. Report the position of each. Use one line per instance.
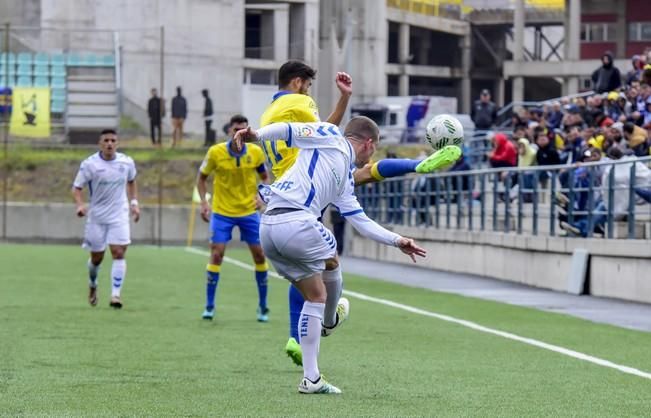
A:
(235, 182)
(286, 107)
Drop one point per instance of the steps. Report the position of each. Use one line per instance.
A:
(92, 105)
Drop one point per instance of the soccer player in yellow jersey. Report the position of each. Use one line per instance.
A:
(293, 104)
(234, 203)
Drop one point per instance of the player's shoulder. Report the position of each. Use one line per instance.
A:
(123, 158)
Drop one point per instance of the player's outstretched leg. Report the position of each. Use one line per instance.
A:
(93, 270)
(441, 159)
(337, 308)
(118, 273)
(293, 349)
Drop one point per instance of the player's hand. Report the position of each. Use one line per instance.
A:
(135, 212)
(81, 210)
(344, 83)
(205, 211)
(409, 247)
(244, 135)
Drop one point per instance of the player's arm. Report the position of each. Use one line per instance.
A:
(298, 135)
(81, 179)
(79, 201)
(207, 166)
(132, 192)
(345, 85)
(350, 209)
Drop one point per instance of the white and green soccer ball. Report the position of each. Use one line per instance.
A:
(444, 130)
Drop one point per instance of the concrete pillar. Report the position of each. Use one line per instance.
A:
(572, 41)
(466, 62)
(403, 58)
(281, 33)
(498, 92)
(621, 29)
(518, 48)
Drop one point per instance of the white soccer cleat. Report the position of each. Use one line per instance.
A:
(320, 387)
(343, 310)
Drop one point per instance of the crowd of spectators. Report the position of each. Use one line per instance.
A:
(611, 124)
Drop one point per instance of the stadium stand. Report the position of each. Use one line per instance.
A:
(83, 85)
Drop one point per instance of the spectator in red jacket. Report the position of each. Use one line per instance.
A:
(504, 153)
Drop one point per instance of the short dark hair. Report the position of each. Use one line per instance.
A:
(629, 127)
(107, 132)
(362, 127)
(614, 153)
(238, 119)
(292, 69)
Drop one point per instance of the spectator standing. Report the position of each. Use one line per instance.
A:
(607, 77)
(635, 74)
(179, 114)
(207, 118)
(484, 112)
(156, 111)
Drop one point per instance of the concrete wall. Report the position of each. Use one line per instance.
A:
(57, 222)
(618, 268)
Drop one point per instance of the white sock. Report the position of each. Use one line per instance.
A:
(118, 271)
(93, 270)
(334, 284)
(310, 331)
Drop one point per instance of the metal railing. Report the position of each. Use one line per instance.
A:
(505, 113)
(607, 198)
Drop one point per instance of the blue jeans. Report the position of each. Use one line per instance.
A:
(598, 219)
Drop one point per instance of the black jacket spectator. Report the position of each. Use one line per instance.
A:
(484, 112)
(179, 107)
(607, 77)
(547, 156)
(154, 110)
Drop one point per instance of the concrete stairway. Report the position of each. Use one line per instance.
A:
(92, 104)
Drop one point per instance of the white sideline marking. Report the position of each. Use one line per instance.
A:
(467, 324)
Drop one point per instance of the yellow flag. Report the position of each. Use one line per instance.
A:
(30, 115)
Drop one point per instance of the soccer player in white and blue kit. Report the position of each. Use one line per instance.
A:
(297, 244)
(110, 176)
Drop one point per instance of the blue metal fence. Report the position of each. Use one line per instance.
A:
(606, 198)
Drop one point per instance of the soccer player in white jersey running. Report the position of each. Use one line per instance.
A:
(110, 176)
(297, 244)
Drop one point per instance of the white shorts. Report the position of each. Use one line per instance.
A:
(297, 244)
(97, 236)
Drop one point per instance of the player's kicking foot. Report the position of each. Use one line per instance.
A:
(263, 314)
(208, 314)
(92, 296)
(293, 350)
(343, 310)
(319, 387)
(116, 302)
(441, 159)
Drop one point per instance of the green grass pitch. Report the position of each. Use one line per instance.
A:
(156, 357)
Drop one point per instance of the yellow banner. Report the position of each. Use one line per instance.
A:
(30, 116)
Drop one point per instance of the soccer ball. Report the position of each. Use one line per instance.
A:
(444, 130)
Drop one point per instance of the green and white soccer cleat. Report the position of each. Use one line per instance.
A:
(319, 387)
(208, 314)
(441, 159)
(293, 350)
(343, 310)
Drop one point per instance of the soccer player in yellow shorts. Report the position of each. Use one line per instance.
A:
(234, 203)
(293, 104)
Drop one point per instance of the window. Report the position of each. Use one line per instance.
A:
(639, 31)
(598, 32)
(255, 76)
